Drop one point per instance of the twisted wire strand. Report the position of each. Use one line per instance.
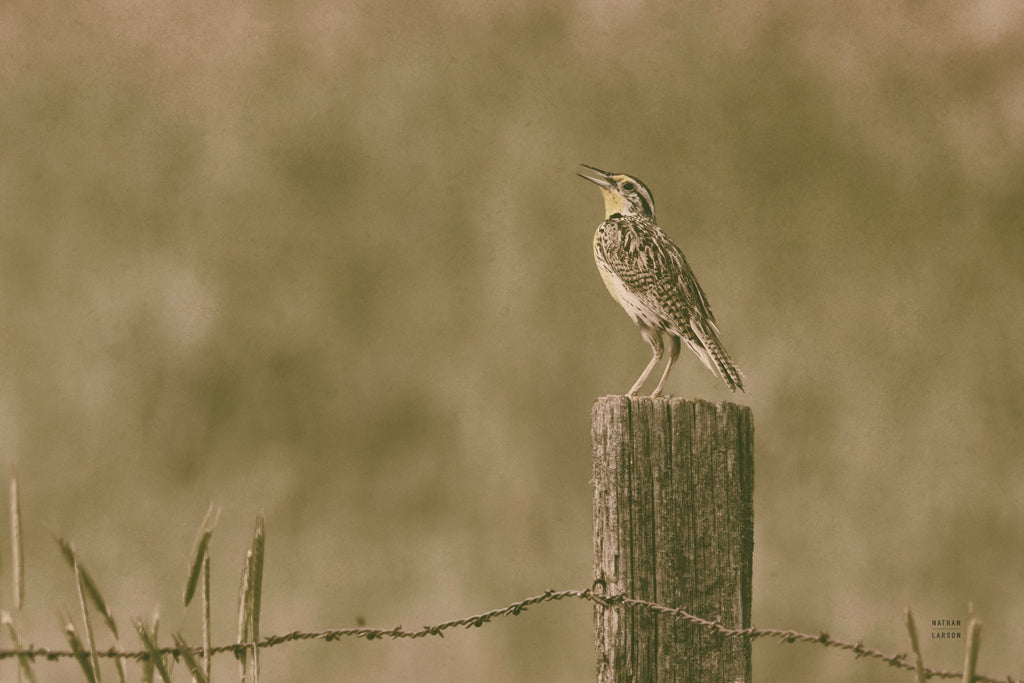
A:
(514, 609)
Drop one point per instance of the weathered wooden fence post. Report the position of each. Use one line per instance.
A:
(673, 524)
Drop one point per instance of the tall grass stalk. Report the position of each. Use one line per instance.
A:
(207, 637)
(250, 601)
(198, 674)
(244, 615)
(908, 617)
(17, 549)
(199, 550)
(149, 665)
(148, 639)
(84, 606)
(971, 653)
(89, 585)
(76, 647)
(256, 592)
(23, 660)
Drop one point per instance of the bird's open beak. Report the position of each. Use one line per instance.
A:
(597, 176)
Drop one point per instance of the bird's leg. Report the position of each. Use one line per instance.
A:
(673, 353)
(653, 338)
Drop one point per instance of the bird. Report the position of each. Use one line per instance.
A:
(647, 274)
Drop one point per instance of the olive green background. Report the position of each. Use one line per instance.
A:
(330, 261)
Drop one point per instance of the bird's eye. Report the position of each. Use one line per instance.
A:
(628, 186)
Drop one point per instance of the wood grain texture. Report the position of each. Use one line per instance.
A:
(673, 524)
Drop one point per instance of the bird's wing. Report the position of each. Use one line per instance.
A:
(680, 279)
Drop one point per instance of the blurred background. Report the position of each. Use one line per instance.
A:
(329, 261)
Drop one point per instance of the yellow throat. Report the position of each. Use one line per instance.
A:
(613, 202)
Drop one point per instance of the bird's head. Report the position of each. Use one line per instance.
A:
(623, 194)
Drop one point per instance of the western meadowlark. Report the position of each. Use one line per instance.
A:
(648, 275)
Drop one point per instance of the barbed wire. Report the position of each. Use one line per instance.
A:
(514, 609)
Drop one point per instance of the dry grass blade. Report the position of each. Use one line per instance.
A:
(915, 646)
(971, 655)
(17, 554)
(23, 660)
(84, 606)
(119, 664)
(149, 643)
(148, 664)
(90, 586)
(80, 654)
(244, 612)
(198, 674)
(207, 637)
(250, 599)
(256, 592)
(199, 552)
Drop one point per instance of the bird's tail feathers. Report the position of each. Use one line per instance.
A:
(703, 340)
